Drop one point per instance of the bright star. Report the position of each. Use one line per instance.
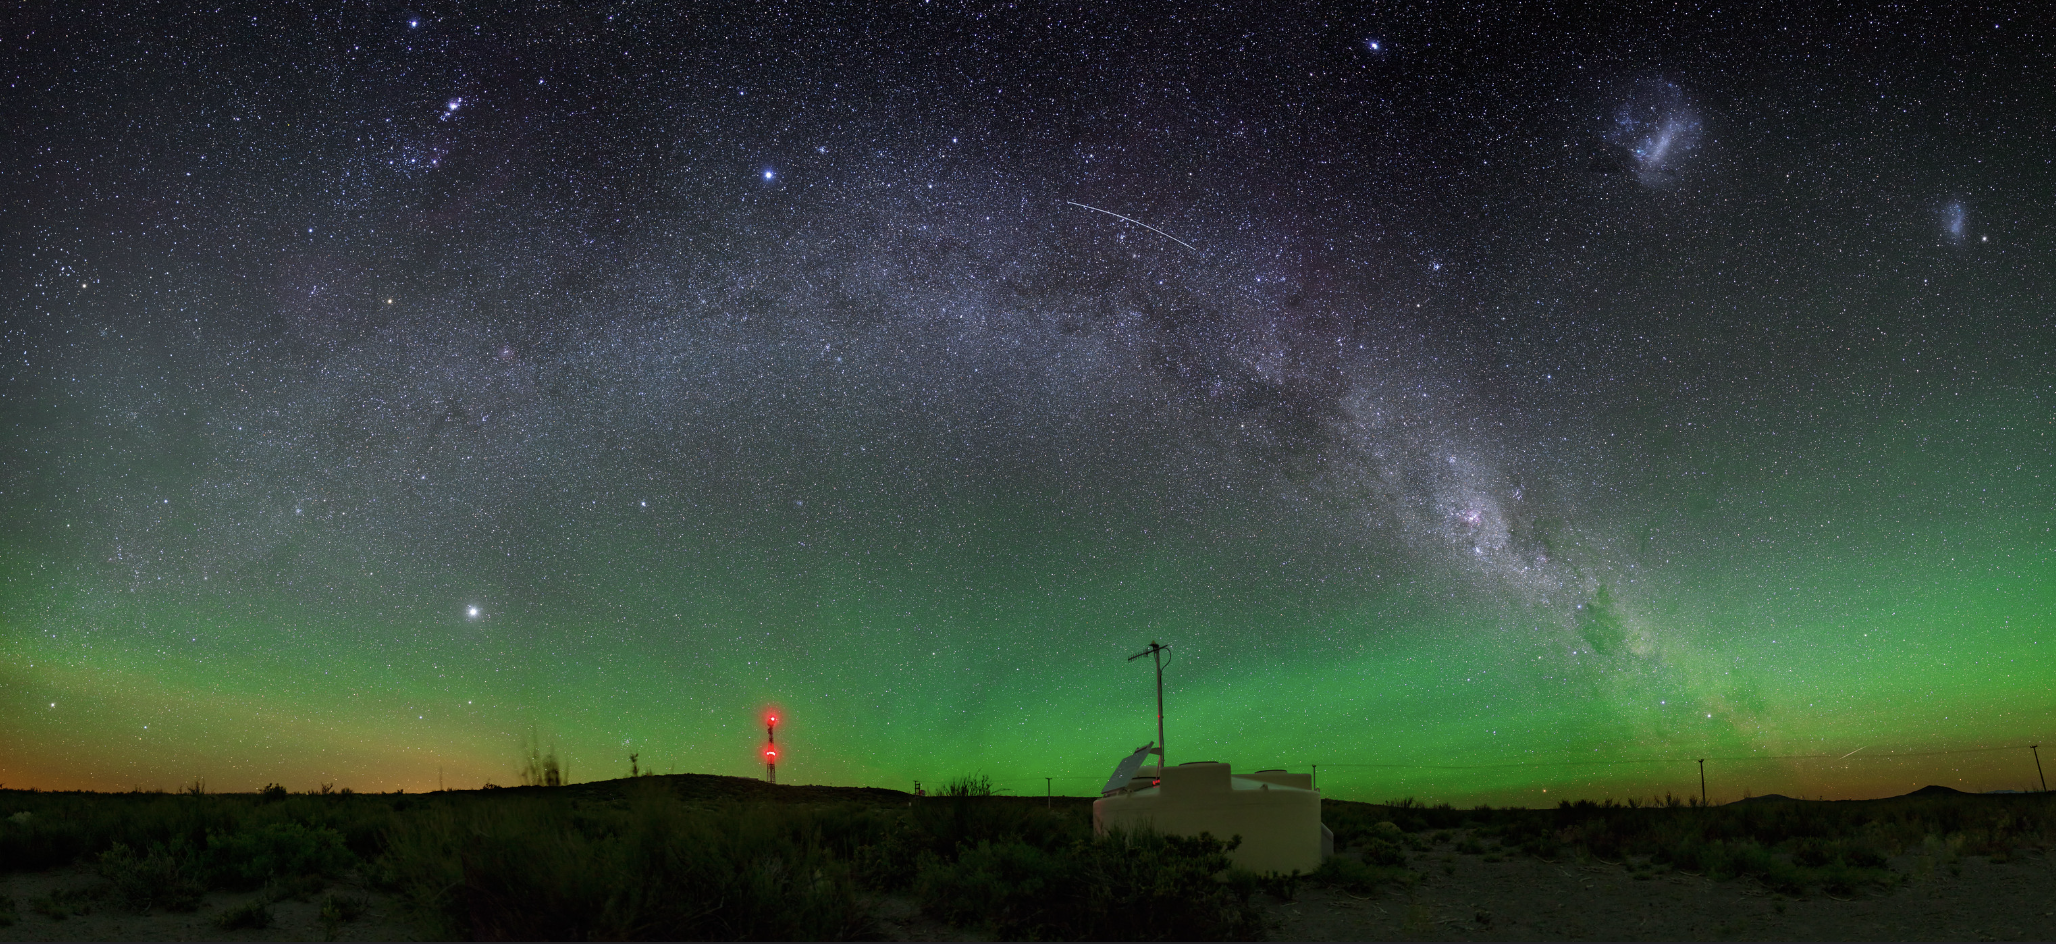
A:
(770, 174)
(471, 612)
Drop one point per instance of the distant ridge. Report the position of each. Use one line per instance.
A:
(1931, 790)
(1766, 798)
(718, 787)
(1935, 790)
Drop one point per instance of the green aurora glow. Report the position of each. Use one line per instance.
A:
(1853, 625)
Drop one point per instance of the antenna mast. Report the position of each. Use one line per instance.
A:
(1156, 652)
(771, 748)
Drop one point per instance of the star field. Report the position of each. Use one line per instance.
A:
(1538, 396)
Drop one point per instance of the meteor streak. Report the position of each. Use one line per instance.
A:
(1136, 222)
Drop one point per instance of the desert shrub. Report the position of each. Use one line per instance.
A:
(943, 824)
(63, 828)
(1723, 859)
(249, 916)
(652, 869)
(64, 903)
(161, 878)
(1139, 886)
(1861, 856)
(1019, 890)
(361, 821)
(1379, 851)
(1351, 874)
(1355, 823)
(297, 887)
(252, 856)
(343, 908)
(882, 847)
(28, 841)
(1813, 853)
(1413, 817)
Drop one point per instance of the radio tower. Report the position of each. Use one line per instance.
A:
(771, 748)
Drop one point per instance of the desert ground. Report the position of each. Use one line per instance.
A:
(1458, 898)
(1466, 898)
(523, 863)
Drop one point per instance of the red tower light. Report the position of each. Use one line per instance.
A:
(771, 746)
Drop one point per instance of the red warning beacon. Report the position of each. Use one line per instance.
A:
(771, 746)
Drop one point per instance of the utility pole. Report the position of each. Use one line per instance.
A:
(1049, 794)
(2037, 748)
(1702, 781)
(1156, 652)
(771, 748)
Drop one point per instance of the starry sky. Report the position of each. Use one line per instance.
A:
(1485, 406)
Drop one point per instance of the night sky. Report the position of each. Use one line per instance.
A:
(1544, 394)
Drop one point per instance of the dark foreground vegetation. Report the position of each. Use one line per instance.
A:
(1790, 846)
(698, 857)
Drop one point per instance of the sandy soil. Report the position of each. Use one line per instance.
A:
(291, 920)
(1520, 898)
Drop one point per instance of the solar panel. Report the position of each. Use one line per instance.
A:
(1125, 771)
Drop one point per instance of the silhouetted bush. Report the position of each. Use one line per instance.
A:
(258, 854)
(1377, 851)
(161, 878)
(1134, 887)
(250, 916)
(1355, 875)
(650, 869)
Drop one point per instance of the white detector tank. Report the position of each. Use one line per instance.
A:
(1277, 814)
